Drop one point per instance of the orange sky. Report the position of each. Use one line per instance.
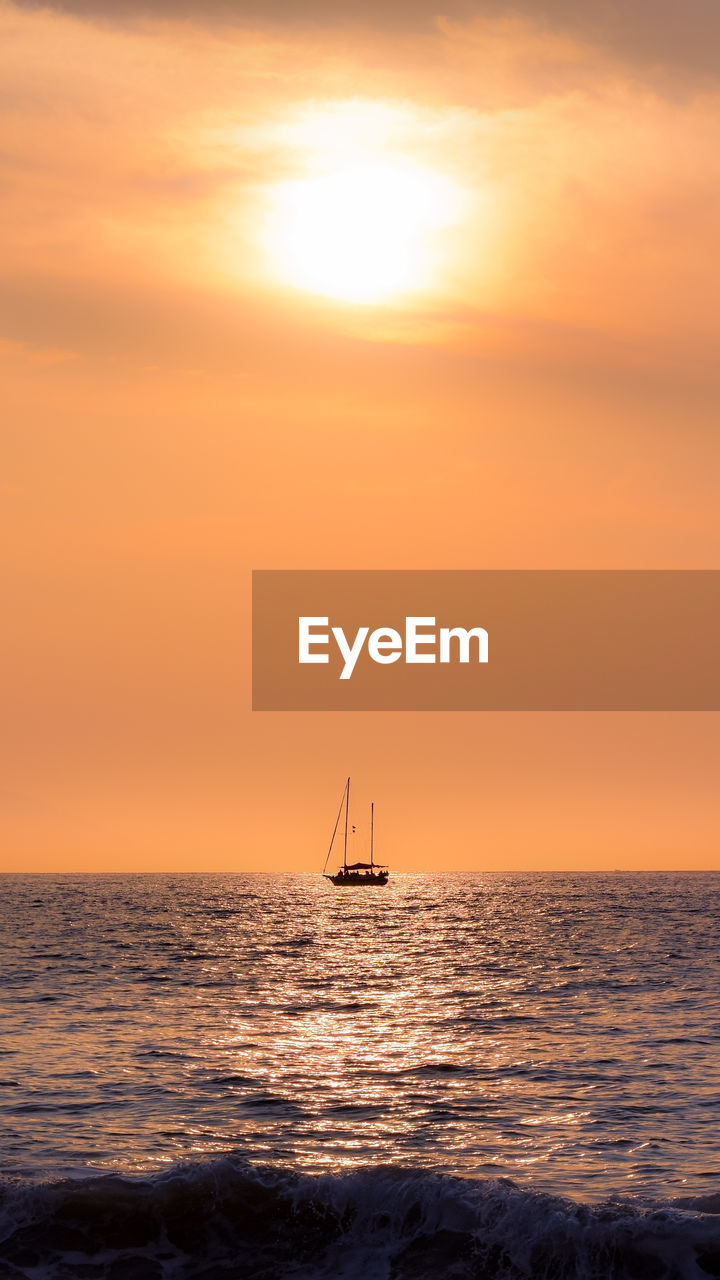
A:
(179, 410)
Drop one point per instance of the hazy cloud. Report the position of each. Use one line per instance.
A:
(654, 33)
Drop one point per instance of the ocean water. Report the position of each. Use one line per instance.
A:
(453, 1076)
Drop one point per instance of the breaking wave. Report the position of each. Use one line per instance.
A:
(227, 1219)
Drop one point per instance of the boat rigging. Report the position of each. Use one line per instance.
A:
(355, 873)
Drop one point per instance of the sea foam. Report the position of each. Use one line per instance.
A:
(225, 1218)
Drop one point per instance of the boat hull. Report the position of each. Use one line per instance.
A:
(353, 879)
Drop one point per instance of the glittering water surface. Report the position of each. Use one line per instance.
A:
(561, 1030)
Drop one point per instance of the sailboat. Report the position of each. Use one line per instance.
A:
(355, 873)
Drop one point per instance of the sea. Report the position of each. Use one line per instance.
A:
(454, 1077)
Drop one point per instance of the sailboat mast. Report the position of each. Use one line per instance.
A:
(372, 833)
(347, 807)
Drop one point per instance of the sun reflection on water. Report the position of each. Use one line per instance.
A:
(442, 1022)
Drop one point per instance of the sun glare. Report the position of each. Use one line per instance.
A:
(363, 232)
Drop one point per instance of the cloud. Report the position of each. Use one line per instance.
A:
(135, 164)
(650, 33)
(23, 353)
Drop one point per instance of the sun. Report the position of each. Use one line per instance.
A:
(363, 232)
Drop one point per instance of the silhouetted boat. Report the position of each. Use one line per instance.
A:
(355, 873)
